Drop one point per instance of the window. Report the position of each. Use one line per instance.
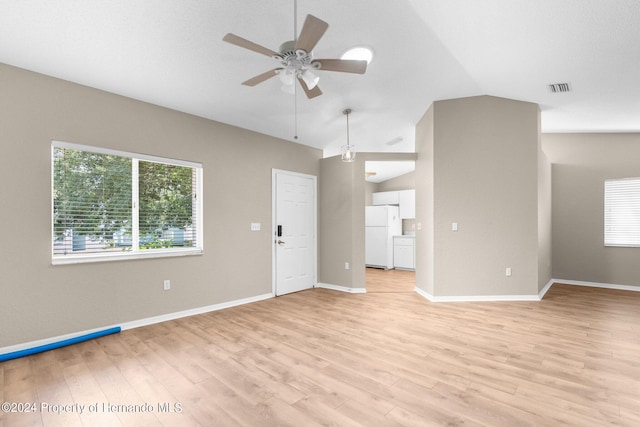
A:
(112, 205)
(622, 212)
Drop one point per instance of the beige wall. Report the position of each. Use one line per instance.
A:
(544, 219)
(425, 205)
(337, 236)
(369, 189)
(40, 300)
(402, 182)
(581, 163)
(485, 177)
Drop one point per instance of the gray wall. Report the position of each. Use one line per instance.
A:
(485, 163)
(39, 300)
(581, 163)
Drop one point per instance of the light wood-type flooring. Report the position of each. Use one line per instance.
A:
(378, 280)
(328, 358)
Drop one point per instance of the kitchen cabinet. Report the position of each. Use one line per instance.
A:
(404, 252)
(405, 199)
(386, 198)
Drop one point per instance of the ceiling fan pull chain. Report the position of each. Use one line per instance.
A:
(295, 111)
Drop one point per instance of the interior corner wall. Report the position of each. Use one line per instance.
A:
(545, 258)
(341, 222)
(580, 165)
(485, 179)
(424, 184)
(43, 301)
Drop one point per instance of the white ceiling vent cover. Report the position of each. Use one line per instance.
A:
(559, 87)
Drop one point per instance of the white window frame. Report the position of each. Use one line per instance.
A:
(622, 212)
(135, 252)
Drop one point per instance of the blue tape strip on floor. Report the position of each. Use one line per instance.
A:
(46, 347)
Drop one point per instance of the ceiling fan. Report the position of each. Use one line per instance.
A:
(296, 59)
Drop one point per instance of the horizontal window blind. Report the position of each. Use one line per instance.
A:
(622, 212)
(113, 204)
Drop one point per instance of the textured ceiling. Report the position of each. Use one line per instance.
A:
(171, 53)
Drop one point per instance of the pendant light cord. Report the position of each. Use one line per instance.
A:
(295, 110)
(347, 113)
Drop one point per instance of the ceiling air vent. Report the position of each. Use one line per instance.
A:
(394, 141)
(559, 87)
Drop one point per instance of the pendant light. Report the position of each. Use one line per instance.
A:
(348, 151)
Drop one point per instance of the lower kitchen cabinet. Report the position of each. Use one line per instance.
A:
(404, 252)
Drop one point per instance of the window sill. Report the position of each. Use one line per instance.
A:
(150, 254)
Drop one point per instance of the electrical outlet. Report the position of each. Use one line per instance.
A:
(255, 226)
(167, 285)
(346, 265)
(507, 272)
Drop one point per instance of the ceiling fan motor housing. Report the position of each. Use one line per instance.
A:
(294, 59)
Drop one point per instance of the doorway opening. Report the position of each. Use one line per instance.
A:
(390, 226)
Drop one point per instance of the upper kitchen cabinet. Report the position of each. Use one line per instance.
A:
(386, 198)
(405, 199)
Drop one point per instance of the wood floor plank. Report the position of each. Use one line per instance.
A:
(384, 358)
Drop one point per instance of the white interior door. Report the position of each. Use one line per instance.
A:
(294, 232)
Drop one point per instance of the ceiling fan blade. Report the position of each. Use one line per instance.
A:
(261, 77)
(239, 41)
(343, 65)
(311, 93)
(312, 30)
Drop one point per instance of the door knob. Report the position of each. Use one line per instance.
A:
(280, 242)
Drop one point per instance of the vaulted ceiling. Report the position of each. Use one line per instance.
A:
(171, 53)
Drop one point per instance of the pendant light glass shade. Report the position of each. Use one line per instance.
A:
(348, 151)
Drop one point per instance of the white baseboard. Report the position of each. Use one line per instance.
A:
(597, 285)
(136, 323)
(423, 293)
(476, 298)
(192, 312)
(524, 297)
(341, 288)
(544, 290)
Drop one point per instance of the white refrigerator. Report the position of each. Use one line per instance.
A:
(381, 224)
